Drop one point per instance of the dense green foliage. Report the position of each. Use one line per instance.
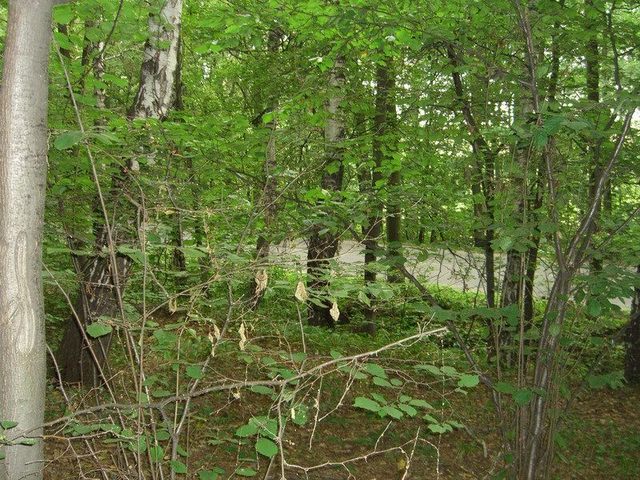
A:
(501, 118)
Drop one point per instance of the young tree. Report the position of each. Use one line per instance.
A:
(323, 243)
(23, 175)
(104, 276)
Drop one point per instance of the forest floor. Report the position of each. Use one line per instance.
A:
(599, 438)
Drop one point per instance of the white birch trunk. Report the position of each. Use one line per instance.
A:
(156, 94)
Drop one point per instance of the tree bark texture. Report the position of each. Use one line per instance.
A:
(269, 192)
(323, 242)
(157, 93)
(23, 175)
(102, 282)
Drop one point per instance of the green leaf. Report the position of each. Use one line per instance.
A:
(431, 369)
(468, 381)
(178, 467)
(300, 414)
(381, 382)
(63, 14)
(366, 404)
(8, 424)
(408, 409)
(67, 140)
(437, 428)
(194, 371)
(246, 472)
(504, 387)
(420, 403)
(266, 447)
(522, 397)
(263, 390)
(208, 475)
(393, 412)
(98, 329)
(376, 370)
(156, 453)
(247, 430)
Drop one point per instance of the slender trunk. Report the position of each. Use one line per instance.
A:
(23, 175)
(592, 67)
(268, 196)
(102, 283)
(323, 242)
(484, 182)
(513, 284)
(632, 340)
(385, 146)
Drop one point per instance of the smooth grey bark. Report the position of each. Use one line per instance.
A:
(23, 174)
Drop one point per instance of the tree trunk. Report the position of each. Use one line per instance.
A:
(102, 283)
(632, 340)
(513, 284)
(592, 67)
(484, 159)
(157, 92)
(269, 192)
(386, 145)
(23, 176)
(323, 243)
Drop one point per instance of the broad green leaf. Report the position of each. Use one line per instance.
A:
(393, 412)
(98, 329)
(247, 430)
(408, 409)
(468, 381)
(8, 424)
(263, 390)
(522, 397)
(366, 404)
(156, 453)
(376, 370)
(246, 472)
(381, 382)
(178, 467)
(266, 447)
(67, 140)
(194, 371)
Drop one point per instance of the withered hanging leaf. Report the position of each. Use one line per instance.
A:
(301, 292)
(334, 312)
(261, 281)
(243, 337)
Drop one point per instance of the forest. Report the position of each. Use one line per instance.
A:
(319, 239)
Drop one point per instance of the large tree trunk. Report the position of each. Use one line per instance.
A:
(102, 282)
(23, 175)
(323, 243)
(632, 340)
